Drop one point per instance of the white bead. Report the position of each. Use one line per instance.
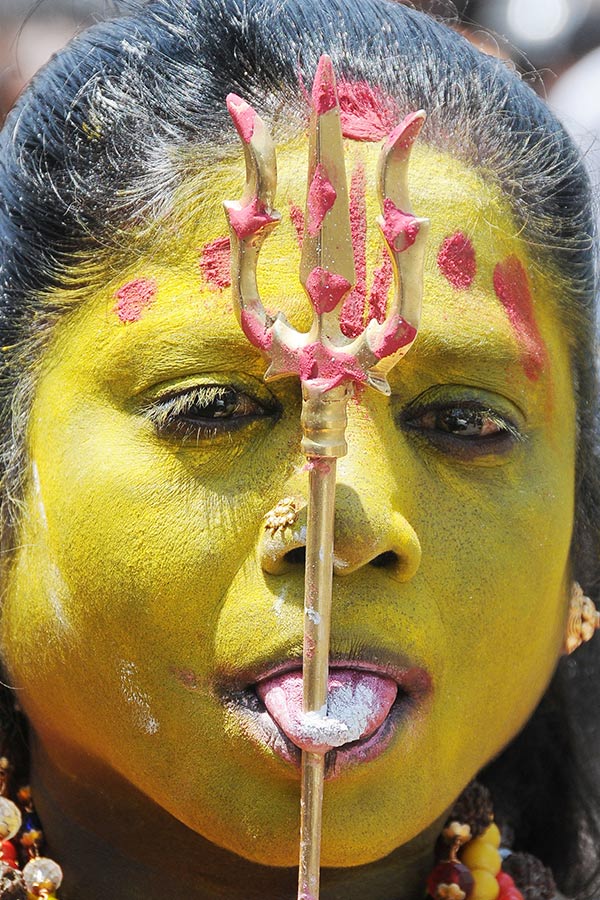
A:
(10, 819)
(42, 872)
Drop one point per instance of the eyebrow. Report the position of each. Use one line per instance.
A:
(434, 350)
(172, 354)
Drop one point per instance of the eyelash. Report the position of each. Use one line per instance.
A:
(479, 430)
(206, 411)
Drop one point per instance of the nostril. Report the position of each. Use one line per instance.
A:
(297, 555)
(387, 560)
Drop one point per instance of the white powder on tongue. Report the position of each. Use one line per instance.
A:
(343, 720)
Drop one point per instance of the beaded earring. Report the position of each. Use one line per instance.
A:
(582, 621)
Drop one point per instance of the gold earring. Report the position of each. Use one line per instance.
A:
(583, 619)
(283, 515)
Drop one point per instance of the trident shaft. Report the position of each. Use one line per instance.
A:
(326, 361)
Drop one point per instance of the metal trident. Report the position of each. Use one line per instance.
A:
(326, 361)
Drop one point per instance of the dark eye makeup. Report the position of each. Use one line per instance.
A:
(453, 419)
(464, 427)
(206, 411)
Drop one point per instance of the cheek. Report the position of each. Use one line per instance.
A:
(498, 561)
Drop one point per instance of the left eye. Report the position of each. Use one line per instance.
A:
(206, 411)
(463, 422)
(464, 429)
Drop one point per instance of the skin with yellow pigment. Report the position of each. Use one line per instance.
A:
(142, 585)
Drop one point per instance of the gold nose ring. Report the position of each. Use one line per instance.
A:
(283, 515)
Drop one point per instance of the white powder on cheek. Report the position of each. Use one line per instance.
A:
(137, 699)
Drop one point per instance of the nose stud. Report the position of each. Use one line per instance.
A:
(283, 515)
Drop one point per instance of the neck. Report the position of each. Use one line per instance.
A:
(102, 831)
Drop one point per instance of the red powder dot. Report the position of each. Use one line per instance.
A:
(247, 220)
(133, 298)
(456, 261)
(323, 92)
(512, 289)
(215, 263)
(243, 116)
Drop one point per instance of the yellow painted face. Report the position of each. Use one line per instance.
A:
(144, 602)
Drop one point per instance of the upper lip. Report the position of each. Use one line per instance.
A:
(411, 677)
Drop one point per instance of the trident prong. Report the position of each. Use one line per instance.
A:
(323, 357)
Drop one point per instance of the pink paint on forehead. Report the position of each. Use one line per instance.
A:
(133, 298)
(456, 261)
(512, 289)
(215, 263)
(321, 197)
(400, 229)
(382, 281)
(326, 289)
(353, 310)
(244, 117)
(366, 113)
(247, 220)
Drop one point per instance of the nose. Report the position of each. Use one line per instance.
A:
(370, 528)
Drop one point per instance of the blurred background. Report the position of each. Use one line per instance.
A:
(555, 44)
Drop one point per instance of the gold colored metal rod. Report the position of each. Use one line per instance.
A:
(317, 626)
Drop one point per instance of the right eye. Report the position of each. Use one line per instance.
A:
(204, 412)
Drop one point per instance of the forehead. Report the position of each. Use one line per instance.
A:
(488, 309)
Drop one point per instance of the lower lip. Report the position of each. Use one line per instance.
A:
(264, 731)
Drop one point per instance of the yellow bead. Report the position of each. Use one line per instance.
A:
(492, 835)
(478, 854)
(486, 887)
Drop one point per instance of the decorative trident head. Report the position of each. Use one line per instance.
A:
(324, 357)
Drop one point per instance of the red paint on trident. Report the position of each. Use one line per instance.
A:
(321, 197)
(243, 115)
(248, 220)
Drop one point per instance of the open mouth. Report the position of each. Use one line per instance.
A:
(367, 705)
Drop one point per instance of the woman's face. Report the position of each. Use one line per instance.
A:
(147, 600)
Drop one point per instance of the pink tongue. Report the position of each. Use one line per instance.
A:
(358, 703)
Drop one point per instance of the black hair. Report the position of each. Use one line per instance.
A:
(111, 127)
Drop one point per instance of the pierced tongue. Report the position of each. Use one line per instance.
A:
(358, 703)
